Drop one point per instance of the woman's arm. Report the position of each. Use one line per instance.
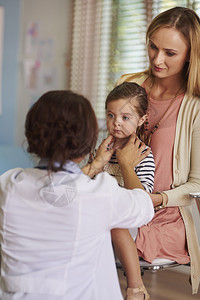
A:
(186, 162)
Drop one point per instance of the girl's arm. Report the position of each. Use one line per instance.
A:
(145, 171)
(128, 157)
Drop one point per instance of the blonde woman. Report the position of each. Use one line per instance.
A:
(172, 83)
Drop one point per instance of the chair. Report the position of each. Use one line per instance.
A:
(158, 264)
(196, 196)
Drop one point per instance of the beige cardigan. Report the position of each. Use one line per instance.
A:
(186, 171)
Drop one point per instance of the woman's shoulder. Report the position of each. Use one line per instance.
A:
(7, 181)
(13, 177)
(9, 175)
(191, 103)
(133, 77)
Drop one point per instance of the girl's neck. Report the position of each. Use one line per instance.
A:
(120, 143)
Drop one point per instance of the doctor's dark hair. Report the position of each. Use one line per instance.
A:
(134, 94)
(61, 126)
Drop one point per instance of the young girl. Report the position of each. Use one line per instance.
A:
(126, 112)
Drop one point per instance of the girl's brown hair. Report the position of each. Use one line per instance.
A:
(61, 126)
(133, 93)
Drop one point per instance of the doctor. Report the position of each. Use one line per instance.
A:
(55, 220)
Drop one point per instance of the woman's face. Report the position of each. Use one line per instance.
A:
(168, 53)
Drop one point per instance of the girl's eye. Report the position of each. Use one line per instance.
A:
(109, 115)
(125, 118)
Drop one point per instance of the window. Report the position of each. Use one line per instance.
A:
(109, 40)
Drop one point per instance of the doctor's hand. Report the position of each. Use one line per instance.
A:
(132, 153)
(128, 157)
(102, 157)
(104, 153)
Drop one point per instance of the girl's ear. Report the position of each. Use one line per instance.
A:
(142, 120)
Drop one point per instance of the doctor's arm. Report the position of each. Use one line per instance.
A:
(103, 155)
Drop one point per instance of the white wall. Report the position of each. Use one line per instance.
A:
(54, 19)
(9, 83)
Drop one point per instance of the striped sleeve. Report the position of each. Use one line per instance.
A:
(145, 171)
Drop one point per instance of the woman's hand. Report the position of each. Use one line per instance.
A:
(103, 155)
(128, 157)
(159, 199)
(105, 149)
(131, 154)
(104, 152)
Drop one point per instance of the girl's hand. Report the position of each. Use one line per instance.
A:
(131, 154)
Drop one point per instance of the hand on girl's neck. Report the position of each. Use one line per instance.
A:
(120, 143)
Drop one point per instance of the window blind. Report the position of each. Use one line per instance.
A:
(130, 50)
(162, 5)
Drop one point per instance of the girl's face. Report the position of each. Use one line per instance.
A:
(168, 53)
(122, 119)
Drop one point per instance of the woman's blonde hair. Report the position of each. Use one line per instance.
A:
(187, 22)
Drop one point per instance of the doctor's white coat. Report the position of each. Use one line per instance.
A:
(55, 234)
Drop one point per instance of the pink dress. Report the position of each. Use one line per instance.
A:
(164, 236)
